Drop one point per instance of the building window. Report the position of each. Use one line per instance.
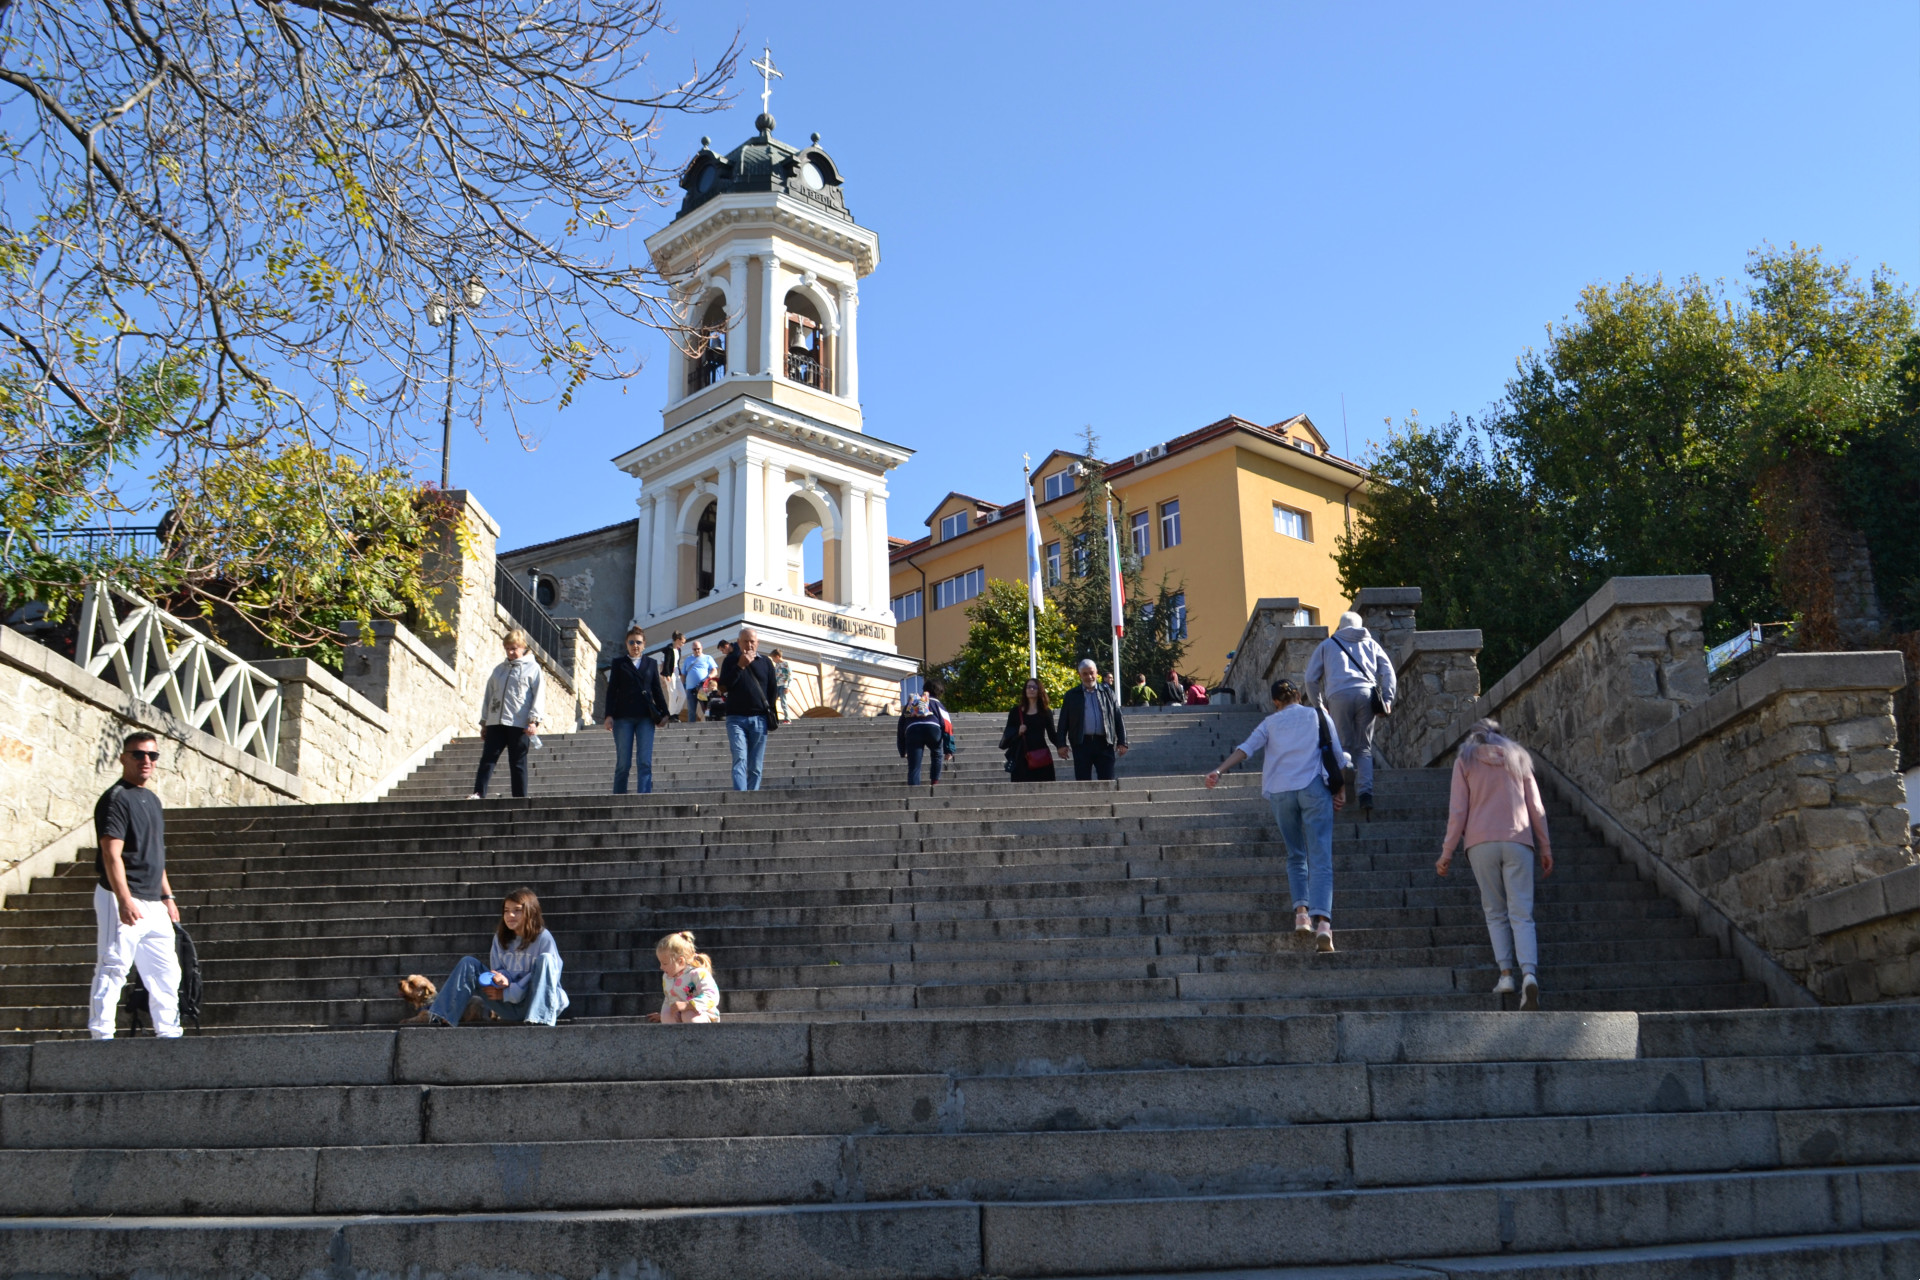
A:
(1053, 562)
(708, 363)
(1169, 525)
(545, 593)
(1178, 629)
(1303, 617)
(1058, 485)
(1292, 523)
(704, 534)
(907, 607)
(1304, 446)
(953, 526)
(806, 344)
(959, 589)
(1140, 529)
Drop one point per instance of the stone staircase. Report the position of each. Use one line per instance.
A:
(988, 1029)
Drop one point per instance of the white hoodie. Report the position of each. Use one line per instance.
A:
(1332, 666)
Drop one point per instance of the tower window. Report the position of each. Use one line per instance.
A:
(1057, 485)
(708, 364)
(1292, 523)
(1169, 525)
(703, 549)
(953, 526)
(806, 344)
(1140, 531)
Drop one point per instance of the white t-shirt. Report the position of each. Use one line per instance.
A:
(1291, 737)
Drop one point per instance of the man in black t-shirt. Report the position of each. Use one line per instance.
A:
(132, 903)
(747, 678)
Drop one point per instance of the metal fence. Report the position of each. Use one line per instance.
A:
(530, 617)
(98, 543)
(154, 657)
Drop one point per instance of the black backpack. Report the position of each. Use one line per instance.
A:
(191, 987)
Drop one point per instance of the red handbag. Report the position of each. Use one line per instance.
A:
(1038, 757)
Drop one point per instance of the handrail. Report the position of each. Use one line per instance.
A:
(198, 681)
(531, 618)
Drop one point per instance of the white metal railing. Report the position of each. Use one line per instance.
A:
(157, 658)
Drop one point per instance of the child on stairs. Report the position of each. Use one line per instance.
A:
(690, 993)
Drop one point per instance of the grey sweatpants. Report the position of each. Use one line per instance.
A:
(1352, 712)
(1504, 870)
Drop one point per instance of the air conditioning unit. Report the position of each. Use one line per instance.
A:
(992, 516)
(1149, 454)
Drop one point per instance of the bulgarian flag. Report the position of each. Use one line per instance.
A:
(1117, 592)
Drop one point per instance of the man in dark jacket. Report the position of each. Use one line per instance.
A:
(636, 706)
(746, 678)
(1090, 722)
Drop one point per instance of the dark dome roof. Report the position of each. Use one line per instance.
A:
(764, 163)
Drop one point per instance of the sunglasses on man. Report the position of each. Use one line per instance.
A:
(144, 755)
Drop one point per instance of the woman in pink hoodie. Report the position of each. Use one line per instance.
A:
(1496, 812)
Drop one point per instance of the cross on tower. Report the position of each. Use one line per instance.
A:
(764, 65)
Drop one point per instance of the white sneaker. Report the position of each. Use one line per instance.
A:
(474, 796)
(1504, 987)
(1529, 993)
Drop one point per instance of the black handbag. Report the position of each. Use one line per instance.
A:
(1329, 758)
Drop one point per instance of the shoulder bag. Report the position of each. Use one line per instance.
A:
(1037, 757)
(1329, 758)
(1379, 704)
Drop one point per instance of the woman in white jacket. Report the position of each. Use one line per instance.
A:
(513, 707)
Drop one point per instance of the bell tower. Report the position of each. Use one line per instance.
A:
(761, 438)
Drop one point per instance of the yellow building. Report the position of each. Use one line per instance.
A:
(1233, 512)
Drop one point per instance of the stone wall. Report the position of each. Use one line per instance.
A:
(1746, 806)
(1388, 614)
(1438, 673)
(60, 735)
(1271, 648)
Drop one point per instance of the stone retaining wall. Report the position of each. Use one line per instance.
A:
(1438, 673)
(1747, 805)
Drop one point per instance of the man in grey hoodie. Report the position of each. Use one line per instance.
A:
(1345, 670)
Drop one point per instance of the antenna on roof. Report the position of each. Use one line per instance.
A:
(1346, 437)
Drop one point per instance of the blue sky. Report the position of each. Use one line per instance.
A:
(1147, 218)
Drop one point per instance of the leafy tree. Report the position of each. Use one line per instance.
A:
(990, 671)
(1084, 597)
(1878, 482)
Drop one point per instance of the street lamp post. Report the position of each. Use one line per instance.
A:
(442, 309)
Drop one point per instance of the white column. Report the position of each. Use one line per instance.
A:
(849, 346)
(644, 559)
(877, 538)
(737, 520)
(737, 316)
(857, 557)
(774, 491)
(676, 357)
(772, 317)
(665, 587)
(753, 523)
(723, 525)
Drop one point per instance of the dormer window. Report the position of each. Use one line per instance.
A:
(1305, 446)
(953, 526)
(1057, 485)
(806, 344)
(708, 363)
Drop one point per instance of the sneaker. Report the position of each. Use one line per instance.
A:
(1323, 935)
(476, 796)
(1504, 987)
(1366, 800)
(1529, 993)
(1302, 922)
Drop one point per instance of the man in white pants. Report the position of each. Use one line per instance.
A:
(132, 903)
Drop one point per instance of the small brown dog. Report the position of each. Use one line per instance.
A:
(418, 990)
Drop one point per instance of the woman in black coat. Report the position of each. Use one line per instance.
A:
(1030, 728)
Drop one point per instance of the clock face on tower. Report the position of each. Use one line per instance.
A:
(810, 176)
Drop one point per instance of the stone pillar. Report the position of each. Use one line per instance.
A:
(753, 516)
(736, 315)
(849, 349)
(1439, 683)
(643, 558)
(858, 559)
(772, 317)
(774, 493)
(665, 554)
(725, 510)
(1388, 615)
(880, 587)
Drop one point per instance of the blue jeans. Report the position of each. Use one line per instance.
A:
(1305, 818)
(625, 732)
(542, 1002)
(922, 736)
(747, 739)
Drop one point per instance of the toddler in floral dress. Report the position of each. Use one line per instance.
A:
(686, 981)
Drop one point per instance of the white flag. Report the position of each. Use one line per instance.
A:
(1036, 587)
(1116, 593)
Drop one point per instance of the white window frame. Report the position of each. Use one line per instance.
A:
(1281, 514)
(1179, 627)
(952, 526)
(1303, 617)
(959, 589)
(1057, 485)
(1053, 562)
(908, 605)
(1170, 524)
(1140, 532)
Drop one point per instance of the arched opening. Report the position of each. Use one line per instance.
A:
(813, 562)
(703, 550)
(707, 356)
(803, 535)
(806, 343)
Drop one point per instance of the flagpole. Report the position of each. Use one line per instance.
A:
(1113, 584)
(1033, 653)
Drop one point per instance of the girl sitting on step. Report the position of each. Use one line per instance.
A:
(523, 984)
(689, 991)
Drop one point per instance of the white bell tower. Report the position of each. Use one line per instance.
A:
(761, 437)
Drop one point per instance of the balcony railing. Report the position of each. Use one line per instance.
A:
(154, 657)
(102, 543)
(804, 366)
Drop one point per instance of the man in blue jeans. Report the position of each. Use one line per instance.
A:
(746, 678)
(1295, 778)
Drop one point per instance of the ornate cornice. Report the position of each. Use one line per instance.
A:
(673, 242)
(747, 414)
